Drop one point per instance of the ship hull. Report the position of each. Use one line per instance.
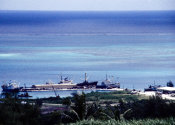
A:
(101, 86)
(11, 90)
(53, 86)
(85, 83)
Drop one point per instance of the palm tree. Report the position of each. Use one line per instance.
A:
(80, 111)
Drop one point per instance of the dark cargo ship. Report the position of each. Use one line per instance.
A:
(87, 84)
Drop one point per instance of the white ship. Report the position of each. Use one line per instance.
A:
(12, 86)
(63, 84)
(108, 84)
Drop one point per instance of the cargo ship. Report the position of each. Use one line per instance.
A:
(152, 88)
(108, 84)
(85, 83)
(63, 84)
(12, 86)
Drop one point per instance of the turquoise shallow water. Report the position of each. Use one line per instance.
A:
(61, 93)
(137, 47)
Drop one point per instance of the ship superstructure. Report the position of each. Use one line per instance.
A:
(107, 83)
(12, 86)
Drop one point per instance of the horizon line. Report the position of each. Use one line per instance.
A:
(90, 10)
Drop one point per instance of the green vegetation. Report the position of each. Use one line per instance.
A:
(120, 108)
(13, 112)
(113, 97)
(155, 107)
(168, 121)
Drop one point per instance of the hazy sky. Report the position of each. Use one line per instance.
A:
(87, 5)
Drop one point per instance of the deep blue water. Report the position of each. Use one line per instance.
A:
(138, 47)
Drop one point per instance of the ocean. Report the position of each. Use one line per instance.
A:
(135, 48)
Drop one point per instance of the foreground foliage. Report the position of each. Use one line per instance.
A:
(77, 110)
(13, 112)
(169, 121)
(155, 107)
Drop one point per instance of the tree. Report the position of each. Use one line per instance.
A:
(80, 104)
(170, 84)
(67, 101)
(80, 110)
(77, 111)
(13, 112)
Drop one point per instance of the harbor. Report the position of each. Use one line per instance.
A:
(66, 87)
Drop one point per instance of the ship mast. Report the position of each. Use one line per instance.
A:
(112, 79)
(85, 77)
(61, 77)
(106, 77)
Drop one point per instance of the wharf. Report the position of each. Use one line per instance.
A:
(33, 89)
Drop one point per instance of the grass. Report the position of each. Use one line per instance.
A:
(168, 121)
(113, 96)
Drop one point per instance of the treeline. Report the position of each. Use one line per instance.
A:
(155, 107)
(14, 111)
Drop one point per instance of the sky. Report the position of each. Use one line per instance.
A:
(87, 5)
